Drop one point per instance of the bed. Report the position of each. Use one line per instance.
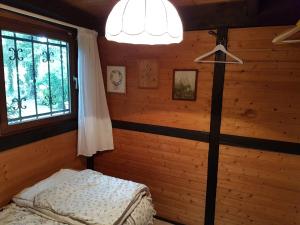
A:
(81, 197)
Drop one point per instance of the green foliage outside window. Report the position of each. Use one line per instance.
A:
(36, 77)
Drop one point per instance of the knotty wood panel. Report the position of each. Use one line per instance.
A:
(174, 169)
(257, 187)
(25, 165)
(155, 106)
(261, 97)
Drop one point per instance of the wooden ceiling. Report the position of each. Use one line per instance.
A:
(101, 8)
(195, 14)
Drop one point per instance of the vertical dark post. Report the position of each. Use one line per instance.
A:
(90, 162)
(215, 126)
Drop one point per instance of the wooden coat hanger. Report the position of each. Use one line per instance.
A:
(283, 38)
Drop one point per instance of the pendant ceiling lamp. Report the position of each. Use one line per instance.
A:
(144, 22)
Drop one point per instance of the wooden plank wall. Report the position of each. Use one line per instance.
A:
(25, 165)
(261, 100)
(174, 169)
(257, 187)
(261, 97)
(155, 106)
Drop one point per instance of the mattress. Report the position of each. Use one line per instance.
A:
(39, 200)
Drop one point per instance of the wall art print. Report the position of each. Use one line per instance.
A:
(116, 79)
(185, 84)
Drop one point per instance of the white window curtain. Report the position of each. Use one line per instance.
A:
(94, 124)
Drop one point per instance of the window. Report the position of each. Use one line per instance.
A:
(36, 73)
(35, 78)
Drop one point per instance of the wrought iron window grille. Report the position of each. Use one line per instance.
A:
(37, 72)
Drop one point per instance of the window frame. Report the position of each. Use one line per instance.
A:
(24, 24)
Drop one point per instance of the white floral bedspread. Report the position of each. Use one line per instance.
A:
(15, 215)
(92, 197)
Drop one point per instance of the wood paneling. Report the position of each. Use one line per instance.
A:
(261, 100)
(25, 165)
(261, 97)
(257, 187)
(174, 169)
(155, 106)
(101, 9)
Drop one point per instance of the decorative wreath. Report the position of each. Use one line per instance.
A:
(116, 77)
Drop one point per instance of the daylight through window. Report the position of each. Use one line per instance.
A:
(37, 80)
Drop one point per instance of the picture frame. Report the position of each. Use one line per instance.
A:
(116, 79)
(148, 73)
(185, 84)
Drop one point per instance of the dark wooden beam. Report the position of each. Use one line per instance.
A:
(203, 136)
(19, 139)
(248, 13)
(239, 14)
(56, 10)
(212, 16)
(279, 12)
(162, 130)
(252, 7)
(215, 128)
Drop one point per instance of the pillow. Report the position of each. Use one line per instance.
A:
(25, 198)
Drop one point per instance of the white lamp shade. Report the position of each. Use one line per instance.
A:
(144, 22)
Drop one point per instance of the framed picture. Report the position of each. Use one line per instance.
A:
(148, 73)
(185, 85)
(116, 79)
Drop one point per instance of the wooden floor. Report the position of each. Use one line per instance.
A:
(159, 222)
